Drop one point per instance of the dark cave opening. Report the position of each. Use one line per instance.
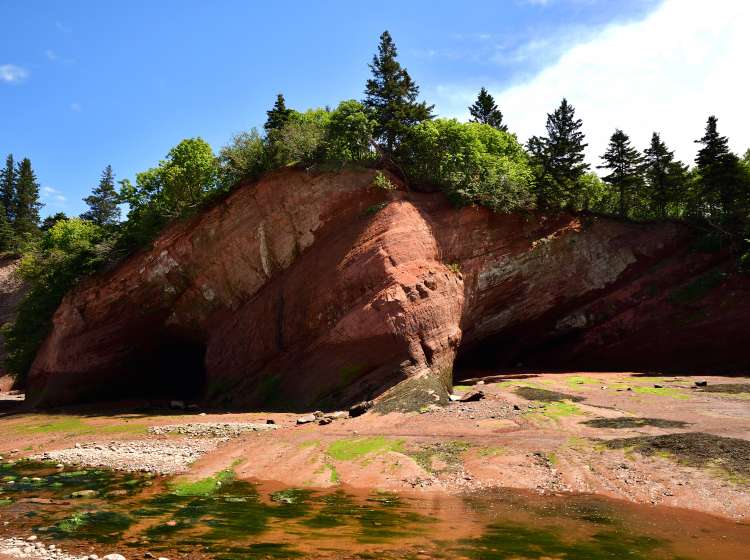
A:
(174, 367)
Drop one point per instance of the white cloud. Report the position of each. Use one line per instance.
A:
(53, 196)
(50, 54)
(12, 74)
(685, 60)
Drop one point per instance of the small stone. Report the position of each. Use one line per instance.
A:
(454, 398)
(32, 538)
(702, 383)
(516, 407)
(83, 494)
(59, 466)
(270, 421)
(171, 523)
(306, 419)
(657, 386)
(77, 445)
(148, 555)
(324, 421)
(202, 414)
(93, 557)
(114, 557)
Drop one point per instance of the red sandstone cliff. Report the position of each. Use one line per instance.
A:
(319, 290)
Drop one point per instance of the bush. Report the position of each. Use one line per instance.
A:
(302, 138)
(244, 159)
(51, 266)
(350, 132)
(473, 163)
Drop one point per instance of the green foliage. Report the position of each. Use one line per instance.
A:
(27, 205)
(177, 186)
(278, 115)
(473, 163)
(102, 202)
(485, 111)
(8, 187)
(350, 449)
(666, 180)
(625, 165)
(558, 159)
(391, 96)
(350, 133)
(383, 183)
(50, 266)
(244, 159)
(302, 138)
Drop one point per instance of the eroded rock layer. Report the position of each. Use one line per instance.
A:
(318, 290)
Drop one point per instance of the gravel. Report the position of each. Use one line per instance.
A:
(156, 456)
(33, 548)
(211, 429)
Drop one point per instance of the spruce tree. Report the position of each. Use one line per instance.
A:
(27, 203)
(665, 177)
(485, 111)
(626, 165)
(8, 187)
(102, 202)
(391, 95)
(278, 115)
(7, 235)
(722, 194)
(559, 158)
(49, 222)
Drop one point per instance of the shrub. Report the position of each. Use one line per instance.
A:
(382, 182)
(51, 266)
(473, 163)
(302, 138)
(244, 159)
(350, 132)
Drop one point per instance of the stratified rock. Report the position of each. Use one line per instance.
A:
(307, 291)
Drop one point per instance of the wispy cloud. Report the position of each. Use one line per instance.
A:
(12, 74)
(51, 55)
(53, 196)
(666, 72)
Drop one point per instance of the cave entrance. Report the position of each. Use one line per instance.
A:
(174, 367)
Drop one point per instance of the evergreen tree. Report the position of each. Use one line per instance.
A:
(278, 115)
(721, 190)
(7, 235)
(8, 187)
(665, 177)
(485, 111)
(626, 165)
(558, 158)
(27, 203)
(102, 202)
(391, 95)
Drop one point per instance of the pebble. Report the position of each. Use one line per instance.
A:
(114, 557)
(306, 419)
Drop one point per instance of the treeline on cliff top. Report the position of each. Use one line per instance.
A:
(475, 163)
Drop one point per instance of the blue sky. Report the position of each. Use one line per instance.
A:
(84, 84)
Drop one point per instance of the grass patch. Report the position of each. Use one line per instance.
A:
(203, 487)
(492, 451)
(74, 425)
(544, 395)
(450, 453)
(696, 449)
(576, 380)
(662, 392)
(351, 449)
(629, 422)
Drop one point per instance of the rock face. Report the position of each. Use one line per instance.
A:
(319, 290)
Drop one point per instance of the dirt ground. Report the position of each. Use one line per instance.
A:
(637, 437)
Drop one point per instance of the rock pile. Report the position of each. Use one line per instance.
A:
(211, 429)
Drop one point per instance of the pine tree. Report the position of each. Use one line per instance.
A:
(626, 165)
(665, 177)
(391, 95)
(7, 235)
(278, 115)
(558, 158)
(8, 187)
(102, 202)
(49, 222)
(721, 190)
(27, 203)
(485, 111)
